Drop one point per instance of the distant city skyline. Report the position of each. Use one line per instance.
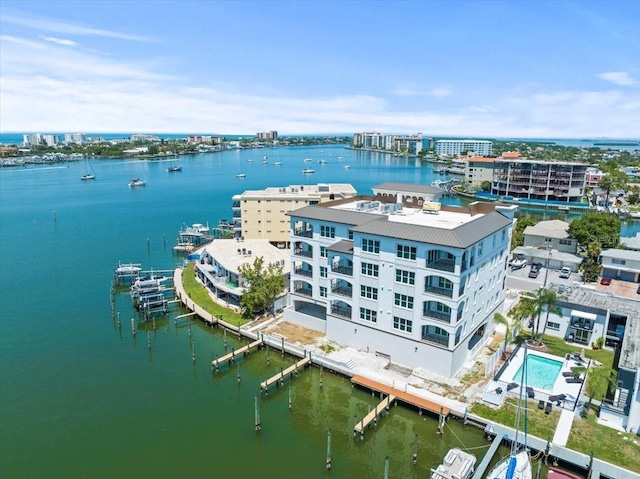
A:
(480, 69)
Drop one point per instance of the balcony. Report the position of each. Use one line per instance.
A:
(342, 311)
(342, 290)
(346, 270)
(437, 315)
(448, 265)
(447, 292)
(304, 291)
(303, 272)
(583, 324)
(235, 204)
(304, 233)
(303, 252)
(436, 339)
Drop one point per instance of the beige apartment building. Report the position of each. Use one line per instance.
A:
(261, 214)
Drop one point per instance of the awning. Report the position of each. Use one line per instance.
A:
(580, 314)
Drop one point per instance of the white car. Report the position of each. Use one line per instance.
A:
(517, 263)
(565, 272)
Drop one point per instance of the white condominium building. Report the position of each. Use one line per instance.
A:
(261, 214)
(455, 147)
(399, 275)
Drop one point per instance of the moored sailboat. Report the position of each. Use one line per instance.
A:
(90, 174)
(517, 465)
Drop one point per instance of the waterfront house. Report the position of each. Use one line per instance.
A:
(411, 280)
(620, 264)
(552, 233)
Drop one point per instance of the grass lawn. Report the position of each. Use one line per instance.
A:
(200, 296)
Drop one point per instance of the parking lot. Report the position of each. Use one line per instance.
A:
(519, 279)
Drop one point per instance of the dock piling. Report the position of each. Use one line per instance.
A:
(148, 340)
(257, 414)
(133, 326)
(289, 398)
(386, 468)
(193, 350)
(415, 450)
(328, 464)
(238, 368)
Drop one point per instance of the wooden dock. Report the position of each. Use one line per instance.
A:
(405, 397)
(264, 385)
(245, 349)
(373, 415)
(486, 460)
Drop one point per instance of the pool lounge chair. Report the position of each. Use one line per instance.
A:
(569, 374)
(530, 393)
(548, 408)
(541, 404)
(574, 380)
(558, 398)
(511, 386)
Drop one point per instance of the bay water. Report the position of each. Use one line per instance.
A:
(80, 397)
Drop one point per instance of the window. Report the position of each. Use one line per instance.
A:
(323, 271)
(504, 235)
(404, 301)
(553, 326)
(617, 261)
(566, 242)
(406, 252)
(323, 251)
(327, 231)
(402, 324)
(406, 277)
(323, 291)
(351, 235)
(444, 283)
(369, 315)
(480, 245)
(368, 292)
(370, 246)
(369, 269)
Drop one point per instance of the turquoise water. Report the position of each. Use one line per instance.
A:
(81, 398)
(541, 372)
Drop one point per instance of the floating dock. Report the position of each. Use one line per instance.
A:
(403, 396)
(373, 415)
(231, 356)
(264, 385)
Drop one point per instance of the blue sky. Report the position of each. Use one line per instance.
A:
(545, 69)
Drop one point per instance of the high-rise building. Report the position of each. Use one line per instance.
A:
(267, 135)
(455, 147)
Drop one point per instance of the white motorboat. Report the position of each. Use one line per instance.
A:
(130, 269)
(240, 175)
(457, 464)
(308, 171)
(137, 182)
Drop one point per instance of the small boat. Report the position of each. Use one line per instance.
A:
(250, 161)
(308, 171)
(173, 169)
(130, 269)
(457, 464)
(265, 160)
(277, 163)
(184, 246)
(322, 162)
(308, 160)
(346, 167)
(555, 473)
(137, 182)
(90, 174)
(563, 208)
(240, 175)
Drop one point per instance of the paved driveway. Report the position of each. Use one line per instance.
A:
(519, 279)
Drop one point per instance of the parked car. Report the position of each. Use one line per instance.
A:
(565, 272)
(605, 281)
(535, 270)
(561, 289)
(517, 262)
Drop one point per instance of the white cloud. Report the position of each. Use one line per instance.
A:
(56, 26)
(406, 92)
(60, 41)
(440, 92)
(619, 78)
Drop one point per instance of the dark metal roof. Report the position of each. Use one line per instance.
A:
(408, 188)
(342, 246)
(463, 236)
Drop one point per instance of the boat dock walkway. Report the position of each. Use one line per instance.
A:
(264, 385)
(403, 396)
(373, 415)
(232, 355)
(486, 460)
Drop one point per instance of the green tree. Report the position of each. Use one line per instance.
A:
(517, 238)
(590, 270)
(485, 186)
(265, 283)
(500, 319)
(154, 150)
(599, 381)
(596, 226)
(613, 180)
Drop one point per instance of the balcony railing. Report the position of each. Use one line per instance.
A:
(436, 339)
(303, 272)
(346, 270)
(578, 324)
(341, 311)
(437, 315)
(342, 291)
(302, 252)
(304, 291)
(305, 233)
(448, 292)
(443, 265)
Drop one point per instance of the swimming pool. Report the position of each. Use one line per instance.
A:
(541, 372)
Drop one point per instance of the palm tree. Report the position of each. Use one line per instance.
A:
(500, 319)
(613, 180)
(599, 380)
(545, 299)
